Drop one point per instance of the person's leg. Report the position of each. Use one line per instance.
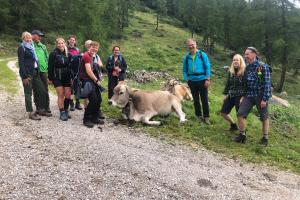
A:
(112, 83)
(40, 91)
(28, 101)
(204, 99)
(67, 99)
(244, 109)
(265, 121)
(194, 86)
(226, 109)
(89, 110)
(60, 102)
(44, 78)
(96, 109)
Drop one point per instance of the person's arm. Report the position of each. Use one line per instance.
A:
(109, 65)
(184, 68)
(123, 65)
(226, 89)
(89, 71)
(21, 60)
(207, 64)
(51, 66)
(267, 83)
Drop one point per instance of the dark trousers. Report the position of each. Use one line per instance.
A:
(198, 88)
(35, 85)
(93, 108)
(44, 79)
(112, 83)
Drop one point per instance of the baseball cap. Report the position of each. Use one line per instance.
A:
(37, 32)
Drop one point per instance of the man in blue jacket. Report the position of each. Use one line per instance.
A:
(196, 71)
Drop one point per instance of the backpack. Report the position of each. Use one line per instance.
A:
(204, 65)
(75, 62)
(111, 58)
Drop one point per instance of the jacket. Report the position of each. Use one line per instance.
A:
(195, 69)
(42, 54)
(26, 62)
(58, 64)
(122, 64)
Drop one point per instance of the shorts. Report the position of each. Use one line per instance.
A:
(229, 103)
(61, 83)
(248, 103)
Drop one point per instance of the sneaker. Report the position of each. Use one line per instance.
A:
(240, 138)
(33, 116)
(263, 141)
(63, 116)
(88, 124)
(233, 127)
(78, 106)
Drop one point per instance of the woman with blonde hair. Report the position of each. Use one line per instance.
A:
(29, 72)
(235, 89)
(60, 76)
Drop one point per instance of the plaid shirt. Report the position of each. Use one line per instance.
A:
(236, 86)
(258, 84)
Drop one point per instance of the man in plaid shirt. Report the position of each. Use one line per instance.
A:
(258, 93)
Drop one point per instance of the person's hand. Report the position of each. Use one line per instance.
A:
(207, 83)
(118, 69)
(226, 97)
(98, 82)
(263, 104)
(26, 81)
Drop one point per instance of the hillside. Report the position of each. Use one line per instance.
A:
(163, 50)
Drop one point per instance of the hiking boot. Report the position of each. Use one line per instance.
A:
(240, 138)
(78, 106)
(68, 114)
(233, 127)
(98, 121)
(33, 116)
(263, 141)
(101, 116)
(43, 113)
(72, 108)
(206, 121)
(48, 110)
(200, 118)
(63, 116)
(88, 124)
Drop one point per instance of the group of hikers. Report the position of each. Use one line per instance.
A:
(246, 86)
(74, 75)
(78, 75)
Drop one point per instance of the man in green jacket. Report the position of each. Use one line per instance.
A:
(42, 54)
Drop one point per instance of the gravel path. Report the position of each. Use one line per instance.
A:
(51, 159)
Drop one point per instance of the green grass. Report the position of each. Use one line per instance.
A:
(8, 81)
(163, 50)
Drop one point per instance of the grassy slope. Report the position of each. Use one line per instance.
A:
(164, 50)
(8, 79)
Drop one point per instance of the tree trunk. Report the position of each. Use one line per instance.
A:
(267, 49)
(284, 60)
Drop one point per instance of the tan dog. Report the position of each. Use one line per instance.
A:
(178, 89)
(143, 105)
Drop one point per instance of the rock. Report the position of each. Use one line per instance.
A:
(277, 100)
(205, 183)
(270, 177)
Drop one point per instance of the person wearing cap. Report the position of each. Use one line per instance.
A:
(29, 72)
(42, 55)
(258, 93)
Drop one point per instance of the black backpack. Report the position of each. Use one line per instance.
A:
(75, 62)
